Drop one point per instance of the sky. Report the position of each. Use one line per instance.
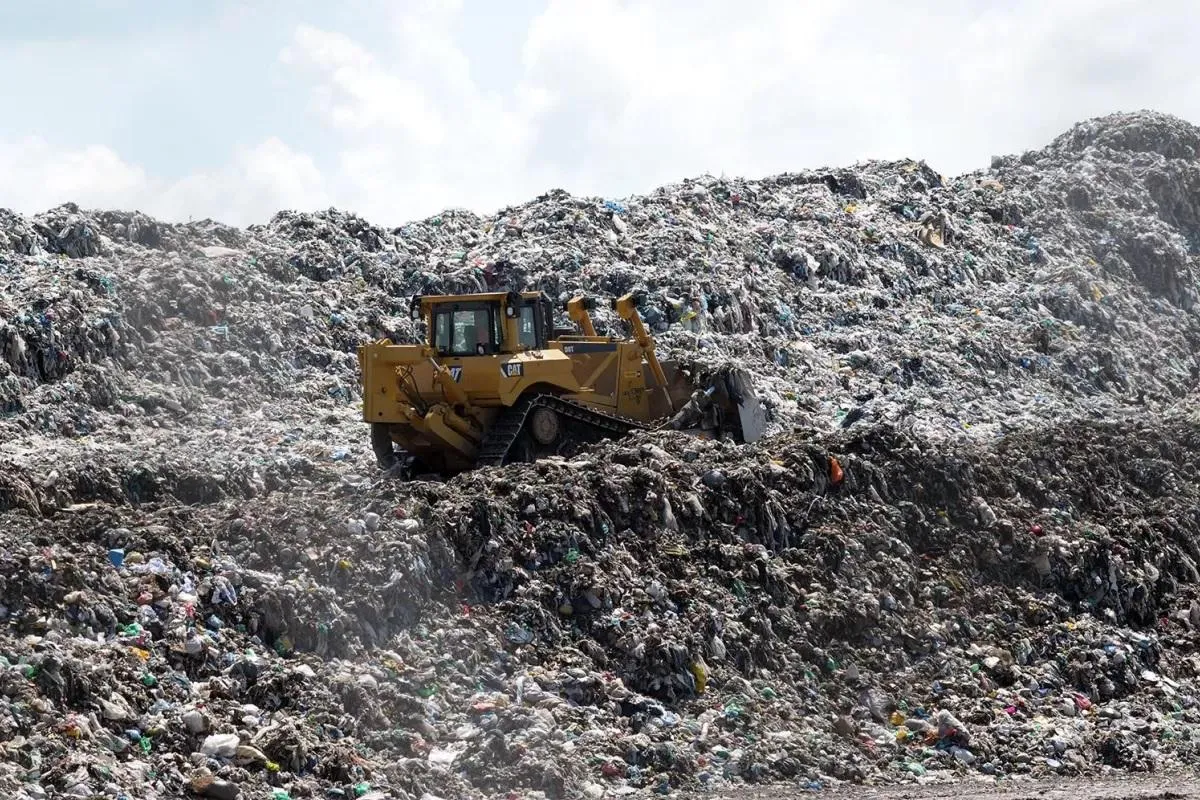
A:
(236, 109)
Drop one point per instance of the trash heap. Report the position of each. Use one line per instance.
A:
(966, 550)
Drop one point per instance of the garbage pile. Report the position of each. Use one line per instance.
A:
(966, 550)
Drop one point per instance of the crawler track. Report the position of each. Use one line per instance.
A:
(497, 445)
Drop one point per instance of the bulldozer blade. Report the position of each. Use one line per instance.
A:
(751, 413)
(723, 402)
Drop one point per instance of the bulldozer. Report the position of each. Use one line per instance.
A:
(495, 382)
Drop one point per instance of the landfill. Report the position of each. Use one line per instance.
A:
(969, 548)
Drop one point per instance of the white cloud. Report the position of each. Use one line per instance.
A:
(616, 96)
(356, 94)
(257, 182)
(260, 181)
(38, 175)
(416, 133)
(659, 90)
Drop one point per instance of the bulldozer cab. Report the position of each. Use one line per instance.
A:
(466, 329)
(486, 324)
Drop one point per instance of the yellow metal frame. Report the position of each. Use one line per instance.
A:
(458, 397)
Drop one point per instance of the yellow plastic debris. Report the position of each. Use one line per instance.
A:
(700, 672)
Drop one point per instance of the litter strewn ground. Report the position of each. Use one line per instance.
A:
(967, 550)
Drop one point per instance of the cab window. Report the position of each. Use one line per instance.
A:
(464, 332)
(527, 327)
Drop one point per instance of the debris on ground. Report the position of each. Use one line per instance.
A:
(967, 548)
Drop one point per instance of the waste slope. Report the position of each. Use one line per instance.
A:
(968, 549)
(1060, 282)
(672, 613)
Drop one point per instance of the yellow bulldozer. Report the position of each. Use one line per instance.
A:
(494, 382)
